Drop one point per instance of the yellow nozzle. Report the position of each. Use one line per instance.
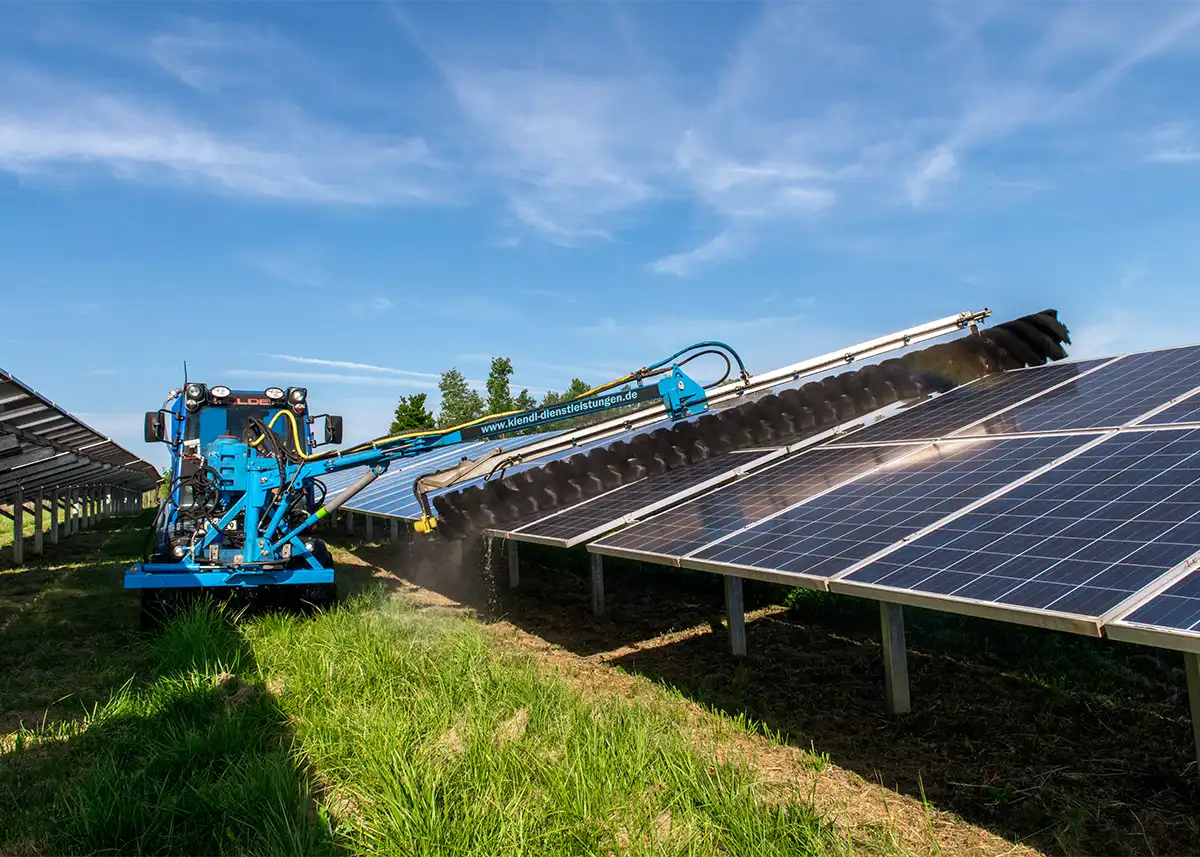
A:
(427, 524)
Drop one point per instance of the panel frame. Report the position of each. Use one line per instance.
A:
(1120, 628)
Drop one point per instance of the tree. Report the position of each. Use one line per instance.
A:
(524, 402)
(551, 398)
(411, 415)
(460, 404)
(577, 389)
(499, 393)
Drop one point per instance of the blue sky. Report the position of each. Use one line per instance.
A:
(359, 196)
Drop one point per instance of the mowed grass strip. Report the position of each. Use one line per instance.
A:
(429, 738)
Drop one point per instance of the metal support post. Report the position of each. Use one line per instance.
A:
(18, 549)
(735, 609)
(394, 529)
(1191, 665)
(72, 512)
(39, 521)
(514, 564)
(349, 521)
(55, 494)
(597, 584)
(370, 527)
(895, 658)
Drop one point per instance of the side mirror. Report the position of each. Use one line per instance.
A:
(156, 427)
(333, 429)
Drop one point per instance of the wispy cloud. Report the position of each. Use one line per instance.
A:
(938, 168)
(681, 264)
(333, 377)
(349, 364)
(1174, 143)
(1077, 56)
(583, 126)
(53, 126)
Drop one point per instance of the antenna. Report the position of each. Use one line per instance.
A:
(185, 374)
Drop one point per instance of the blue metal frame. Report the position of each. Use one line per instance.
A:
(166, 576)
(250, 485)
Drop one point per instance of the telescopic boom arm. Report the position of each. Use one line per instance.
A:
(675, 396)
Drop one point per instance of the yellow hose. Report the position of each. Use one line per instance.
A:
(426, 433)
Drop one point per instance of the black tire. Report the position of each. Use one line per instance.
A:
(153, 613)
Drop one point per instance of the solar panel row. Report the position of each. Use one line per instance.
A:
(598, 515)
(690, 526)
(1066, 530)
(831, 531)
(1077, 540)
(971, 403)
(1009, 496)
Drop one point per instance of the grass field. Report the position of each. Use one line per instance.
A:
(400, 724)
(386, 726)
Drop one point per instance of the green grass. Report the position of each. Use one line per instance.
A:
(433, 741)
(27, 522)
(373, 728)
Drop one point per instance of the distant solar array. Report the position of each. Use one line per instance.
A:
(44, 446)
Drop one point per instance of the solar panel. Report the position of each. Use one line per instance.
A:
(941, 415)
(1109, 397)
(1064, 549)
(391, 495)
(1187, 411)
(692, 525)
(828, 533)
(1171, 618)
(600, 514)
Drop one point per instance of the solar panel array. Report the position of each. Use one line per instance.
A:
(970, 403)
(687, 528)
(834, 529)
(391, 495)
(1066, 495)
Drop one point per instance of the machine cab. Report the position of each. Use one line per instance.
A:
(202, 414)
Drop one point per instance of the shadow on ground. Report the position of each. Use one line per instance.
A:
(1072, 745)
(169, 761)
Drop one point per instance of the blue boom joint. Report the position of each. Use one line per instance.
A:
(245, 492)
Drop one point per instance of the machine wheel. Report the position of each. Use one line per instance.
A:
(153, 613)
(319, 595)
